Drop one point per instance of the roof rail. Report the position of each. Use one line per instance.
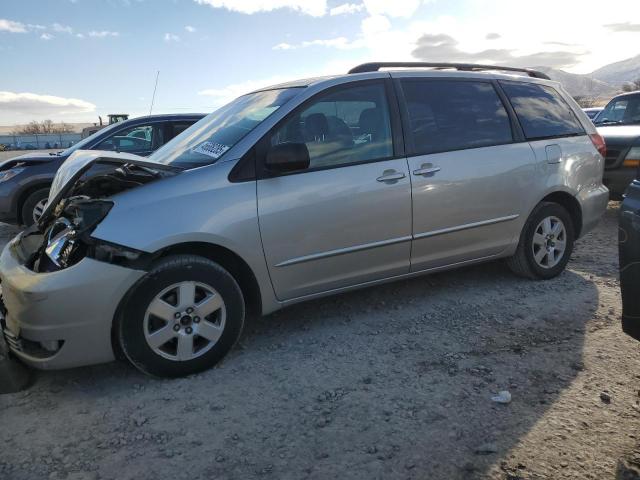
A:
(467, 67)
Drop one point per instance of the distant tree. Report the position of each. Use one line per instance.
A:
(44, 127)
(586, 101)
(31, 128)
(631, 86)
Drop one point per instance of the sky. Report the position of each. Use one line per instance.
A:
(72, 60)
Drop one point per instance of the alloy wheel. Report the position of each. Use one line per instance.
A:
(38, 209)
(184, 321)
(549, 242)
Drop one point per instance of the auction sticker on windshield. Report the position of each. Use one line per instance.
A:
(211, 149)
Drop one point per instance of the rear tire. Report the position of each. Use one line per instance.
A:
(546, 243)
(33, 206)
(194, 304)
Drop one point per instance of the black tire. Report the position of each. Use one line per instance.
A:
(26, 213)
(129, 327)
(523, 263)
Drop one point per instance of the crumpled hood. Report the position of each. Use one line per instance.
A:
(620, 134)
(80, 162)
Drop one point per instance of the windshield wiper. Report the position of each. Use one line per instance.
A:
(606, 122)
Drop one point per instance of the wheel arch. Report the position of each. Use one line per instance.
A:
(571, 204)
(227, 259)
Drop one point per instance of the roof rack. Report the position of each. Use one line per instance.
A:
(467, 67)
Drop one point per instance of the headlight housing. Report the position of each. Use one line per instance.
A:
(10, 173)
(67, 240)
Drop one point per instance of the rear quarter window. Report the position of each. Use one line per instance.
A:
(542, 112)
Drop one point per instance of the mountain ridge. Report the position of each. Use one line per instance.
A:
(603, 83)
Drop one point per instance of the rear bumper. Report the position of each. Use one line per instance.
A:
(593, 201)
(61, 319)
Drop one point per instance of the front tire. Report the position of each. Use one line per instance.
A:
(546, 243)
(33, 206)
(181, 318)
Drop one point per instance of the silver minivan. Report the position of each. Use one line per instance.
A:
(294, 192)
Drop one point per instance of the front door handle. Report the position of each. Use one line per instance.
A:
(427, 169)
(390, 176)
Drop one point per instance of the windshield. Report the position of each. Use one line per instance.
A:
(85, 141)
(207, 140)
(621, 111)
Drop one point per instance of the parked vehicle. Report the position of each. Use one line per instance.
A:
(592, 112)
(294, 192)
(629, 245)
(25, 180)
(113, 118)
(619, 125)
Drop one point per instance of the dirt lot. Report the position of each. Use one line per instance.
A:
(390, 382)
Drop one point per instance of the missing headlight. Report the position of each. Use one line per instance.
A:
(67, 239)
(61, 243)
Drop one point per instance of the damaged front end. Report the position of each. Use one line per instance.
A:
(80, 199)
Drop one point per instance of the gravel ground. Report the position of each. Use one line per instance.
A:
(390, 382)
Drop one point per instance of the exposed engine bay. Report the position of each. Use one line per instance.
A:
(62, 237)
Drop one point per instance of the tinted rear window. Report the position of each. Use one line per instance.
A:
(453, 115)
(542, 112)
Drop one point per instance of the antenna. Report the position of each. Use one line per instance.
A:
(154, 92)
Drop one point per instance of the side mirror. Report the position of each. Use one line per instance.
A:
(287, 157)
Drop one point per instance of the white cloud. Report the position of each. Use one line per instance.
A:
(375, 24)
(11, 26)
(341, 43)
(80, 35)
(541, 40)
(103, 33)
(346, 8)
(35, 105)
(170, 37)
(190, 29)
(315, 8)
(46, 36)
(395, 8)
(221, 96)
(56, 27)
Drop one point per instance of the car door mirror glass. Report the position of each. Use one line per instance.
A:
(287, 157)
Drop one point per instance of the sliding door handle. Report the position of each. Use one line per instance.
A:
(427, 169)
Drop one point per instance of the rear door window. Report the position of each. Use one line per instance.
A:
(449, 115)
(542, 112)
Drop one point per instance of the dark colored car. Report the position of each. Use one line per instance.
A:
(619, 125)
(25, 180)
(629, 244)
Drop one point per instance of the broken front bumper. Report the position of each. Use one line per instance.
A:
(61, 319)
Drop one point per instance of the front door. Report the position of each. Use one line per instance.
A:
(345, 220)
